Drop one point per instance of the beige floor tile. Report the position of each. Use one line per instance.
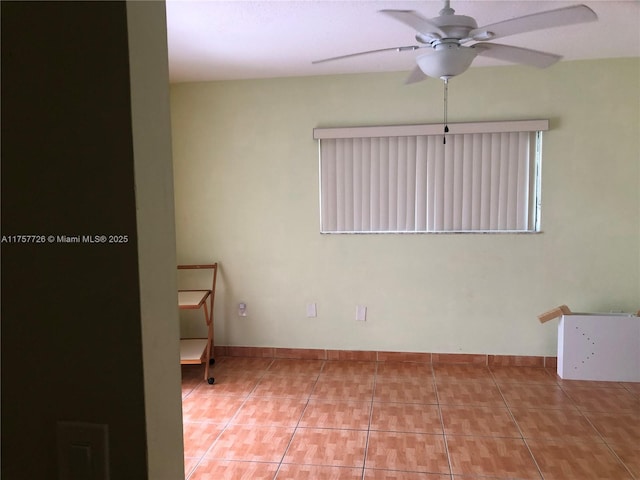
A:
(462, 373)
(188, 386)
(370, 474)
(344, 388)
(535, 396)
(243, 364)
(480, 421)
(293, 386)
(476, 477)
(314, 446)
(292, 366)
(198, 437)
(531, 375)
(270, 411)
(190, 464)
(609, 400)
(406, 417)
(414, 452)
(348, 368)
(326, 413)
(633, 387)
(629, 454)
(586, 383)
(486, 456)
(229, 383)
(404, 390)
(251, 443)
(584, 460)
(565, 424)
(318, 472)
(481, 394)
(618, 428)
(392, 370)
(210, 408)
(210, 469)
(191, 377)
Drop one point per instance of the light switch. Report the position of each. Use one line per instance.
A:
(361, 313)
(80, 462)
(83, 451)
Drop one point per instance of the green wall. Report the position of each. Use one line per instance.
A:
(246, 189)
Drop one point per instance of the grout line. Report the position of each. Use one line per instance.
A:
(522, 437)
(295, 429)
(372, 403)
(444, 432)
(606, 443)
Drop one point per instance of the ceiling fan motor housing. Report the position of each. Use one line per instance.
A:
(455, 26)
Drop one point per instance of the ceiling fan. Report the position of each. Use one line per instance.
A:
(445, 35)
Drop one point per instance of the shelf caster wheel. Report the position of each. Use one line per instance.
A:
(212, 361)
(210, 380)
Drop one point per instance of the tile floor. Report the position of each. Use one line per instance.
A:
(312, 419)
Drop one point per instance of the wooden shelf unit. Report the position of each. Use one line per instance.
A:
(195, 351)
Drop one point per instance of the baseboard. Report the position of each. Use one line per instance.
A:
(383, 356)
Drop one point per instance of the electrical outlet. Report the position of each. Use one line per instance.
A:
(242, 309)
(361, 313)
(312, 311)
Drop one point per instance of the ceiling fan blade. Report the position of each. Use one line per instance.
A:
(523, 56)
(397, 49)
(415, 20)
(416, 75)
(535, 21)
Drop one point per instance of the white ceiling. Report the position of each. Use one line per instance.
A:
(222, 40)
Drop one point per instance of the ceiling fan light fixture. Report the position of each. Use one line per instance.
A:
(446, 62)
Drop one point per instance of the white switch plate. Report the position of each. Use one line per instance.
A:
(311, 310)
(83, 451)
(361, 313)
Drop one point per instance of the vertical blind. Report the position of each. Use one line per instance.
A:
(417, 183)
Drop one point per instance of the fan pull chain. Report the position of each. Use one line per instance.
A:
(446, 99)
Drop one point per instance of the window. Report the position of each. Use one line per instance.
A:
(485, 178)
